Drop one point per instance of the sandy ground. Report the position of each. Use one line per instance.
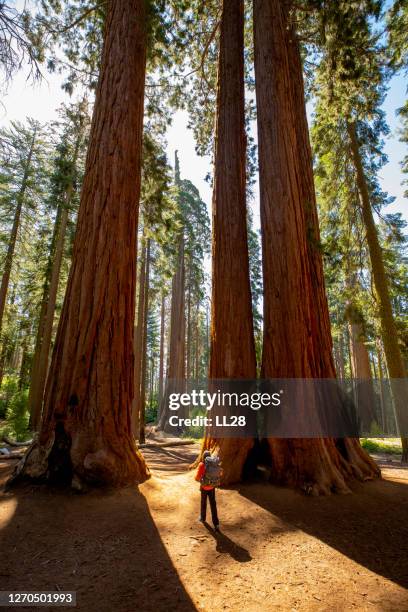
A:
(143, 548)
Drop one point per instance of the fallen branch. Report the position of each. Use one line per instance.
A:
(11, 456)
(14, 443)
(175, 443)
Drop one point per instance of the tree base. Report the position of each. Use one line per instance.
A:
(67, 460)
(319, 466)
(233, 453)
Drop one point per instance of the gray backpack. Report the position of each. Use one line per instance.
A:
(212, 474)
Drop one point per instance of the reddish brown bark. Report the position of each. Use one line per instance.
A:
(161, 356)
(189, 330)
(339, 356)
(144, 348)
(297, 337)
(360, 361)
(197, 344)
(232, 335)
(138, 344)
(177, 344)
(86, 428)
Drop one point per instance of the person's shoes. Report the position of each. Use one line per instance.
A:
(201, 520)
(217, 528)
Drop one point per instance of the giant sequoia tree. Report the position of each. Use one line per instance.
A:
(297, 338)
(86, 428)
(232, 335)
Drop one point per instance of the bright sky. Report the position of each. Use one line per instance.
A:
(41, 101)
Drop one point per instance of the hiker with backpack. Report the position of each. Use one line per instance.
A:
(209, 476)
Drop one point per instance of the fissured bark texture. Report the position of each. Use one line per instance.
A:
(232, 336)
(86, 429)
(297, 337)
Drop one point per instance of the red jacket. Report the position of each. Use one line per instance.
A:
(200, 473)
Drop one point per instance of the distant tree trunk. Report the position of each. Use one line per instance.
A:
(188, 345)
(3, 357)
(197, 344)
(41, 356)
(177, 344)
(144, 348)
(360, 361)
(339, 352)
(232, 335)
(161, 356)
(138, 347)
(151, 382)
(361, 368)
(86, 428)
(381, 376)
(13, 235)
(40, 330)
(22, 378)
(393, 356)
(178, 320)
(297, 337)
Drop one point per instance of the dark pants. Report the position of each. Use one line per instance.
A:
(213, 505)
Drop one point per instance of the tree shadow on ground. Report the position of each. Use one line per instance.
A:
(104, 545)
(370, 526)
(226, 545)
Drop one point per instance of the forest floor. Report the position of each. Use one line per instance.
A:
(144, 549)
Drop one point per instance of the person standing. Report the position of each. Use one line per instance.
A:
(209, 475)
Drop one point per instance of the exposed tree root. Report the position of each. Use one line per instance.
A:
(57, 457)
(319, 466)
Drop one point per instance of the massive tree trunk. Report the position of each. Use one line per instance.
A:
(86, 428)
(138, 346)
(45, 326)
(232, 334)
(14, 230)
(297, 337)
(144, 348)
(393, 356)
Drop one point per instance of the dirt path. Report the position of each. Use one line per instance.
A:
(145, 550)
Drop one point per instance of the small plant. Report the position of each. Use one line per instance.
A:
(151, 414)
(375, 429)
(387, 446)
(195, 432)
(17, 417)
(8, 389)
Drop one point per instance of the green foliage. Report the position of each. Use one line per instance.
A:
(17, 415)
(19, 44)
(8, 390)
(13, 407)
(376, 445)
(151, 411)
(397, 22)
